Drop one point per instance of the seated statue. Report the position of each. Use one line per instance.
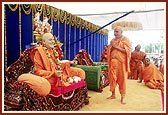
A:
(48, 68)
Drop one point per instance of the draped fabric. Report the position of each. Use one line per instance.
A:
(26, 30)
(87, 41)
(153, 78)
(77, 39)
(83, 43)
(73, 31)
(62, 35)
(12, 35)
(93, 46)
(67, 41)
(55, 28)
(72, 36)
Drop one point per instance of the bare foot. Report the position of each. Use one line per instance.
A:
(111, 97)
(123, 101)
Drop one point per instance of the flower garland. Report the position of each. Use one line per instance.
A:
(57, 48)
(55, 59)
(40, 27)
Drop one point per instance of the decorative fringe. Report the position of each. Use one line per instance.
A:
(128, 26)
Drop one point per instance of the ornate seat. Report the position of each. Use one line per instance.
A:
(19, 96)
(96, 72)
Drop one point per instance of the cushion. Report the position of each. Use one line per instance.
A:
(37, 83)
(57, 91)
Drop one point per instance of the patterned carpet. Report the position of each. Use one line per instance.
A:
(140, 99)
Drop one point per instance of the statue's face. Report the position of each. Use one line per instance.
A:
(49, 41)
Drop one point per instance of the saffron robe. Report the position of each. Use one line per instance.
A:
(47, 69)
(136, 64)
(118, 64)
(44, 75)
(152, 77)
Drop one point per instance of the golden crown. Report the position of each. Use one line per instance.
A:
(41, 27)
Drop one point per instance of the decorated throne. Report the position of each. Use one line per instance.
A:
(19, 96)
(96, 72)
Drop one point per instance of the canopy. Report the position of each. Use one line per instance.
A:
(150, 14)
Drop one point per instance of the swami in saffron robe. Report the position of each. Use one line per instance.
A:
(153, 78)
(136, 64)
(118, 64)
